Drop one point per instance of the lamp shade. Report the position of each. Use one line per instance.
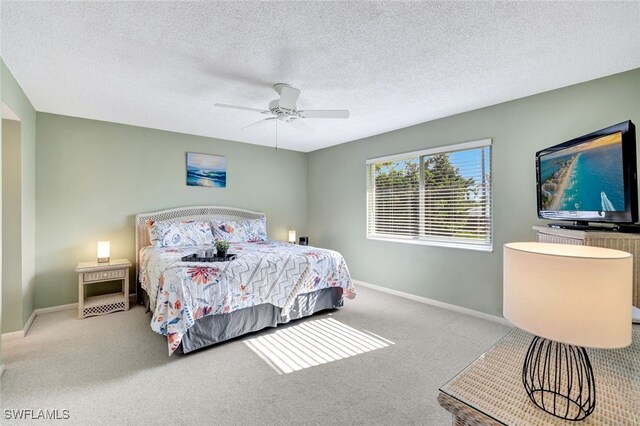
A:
(104, 251)
(579, 295)
(292, 236)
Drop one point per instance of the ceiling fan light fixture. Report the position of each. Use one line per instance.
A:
(284, 109)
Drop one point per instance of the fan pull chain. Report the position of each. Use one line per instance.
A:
(276, 134)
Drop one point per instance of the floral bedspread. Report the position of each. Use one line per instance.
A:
(263, 272)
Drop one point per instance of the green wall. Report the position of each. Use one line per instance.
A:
(15, 98)
(1, 236)
(337, 188)
(93, 177)
(11, 223)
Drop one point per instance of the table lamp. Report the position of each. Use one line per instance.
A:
(292, 236)
(569, 297)
(104, 249)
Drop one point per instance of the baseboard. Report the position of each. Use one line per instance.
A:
(437, 303)
(57, 308)
(20, 333)
(12, 335)
(34, 314)
(27, 326)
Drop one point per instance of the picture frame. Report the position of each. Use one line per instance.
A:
(206, 170)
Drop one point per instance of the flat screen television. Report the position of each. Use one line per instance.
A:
(591, 178)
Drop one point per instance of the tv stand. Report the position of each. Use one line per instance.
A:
(625, 241)
(581, 226)
(627, 228)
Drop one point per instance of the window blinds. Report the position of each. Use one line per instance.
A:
(440, 196)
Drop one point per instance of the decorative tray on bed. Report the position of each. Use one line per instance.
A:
(209, 257)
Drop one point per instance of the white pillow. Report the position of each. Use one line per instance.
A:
(245, 231)
(175, 234)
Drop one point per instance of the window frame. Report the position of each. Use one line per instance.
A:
(431, 240)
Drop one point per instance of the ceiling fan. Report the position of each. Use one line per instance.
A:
(284, 109)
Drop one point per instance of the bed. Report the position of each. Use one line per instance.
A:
(198, 304)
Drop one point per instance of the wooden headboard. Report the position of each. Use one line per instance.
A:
(185, 214)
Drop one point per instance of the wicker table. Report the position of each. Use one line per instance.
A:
(490, 391)
(94, 272)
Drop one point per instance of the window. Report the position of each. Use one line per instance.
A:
(440, 196)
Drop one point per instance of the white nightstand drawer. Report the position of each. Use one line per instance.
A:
(104, 275)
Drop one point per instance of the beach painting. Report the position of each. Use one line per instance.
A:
(585, 177)
(206, 170)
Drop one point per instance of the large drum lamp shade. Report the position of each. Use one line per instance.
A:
(579, 295)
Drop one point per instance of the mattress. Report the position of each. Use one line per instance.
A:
(264, 273)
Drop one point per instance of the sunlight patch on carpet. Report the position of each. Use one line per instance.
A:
(313, 343)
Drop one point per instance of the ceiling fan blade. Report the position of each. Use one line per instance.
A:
(325, 113)
(288, 97)
(241, 108)
(258, 122)
(299, 124)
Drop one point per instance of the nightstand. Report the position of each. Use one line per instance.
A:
(94, 272)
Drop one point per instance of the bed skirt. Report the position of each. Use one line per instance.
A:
(218, 328)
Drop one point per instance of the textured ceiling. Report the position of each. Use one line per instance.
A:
(164, 64)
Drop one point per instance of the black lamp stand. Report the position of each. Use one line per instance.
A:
(559, 379)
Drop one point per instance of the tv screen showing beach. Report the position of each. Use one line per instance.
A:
(586, 177)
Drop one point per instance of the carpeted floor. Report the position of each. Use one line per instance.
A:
(114, 370)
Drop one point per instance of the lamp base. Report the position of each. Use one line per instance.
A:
(104, 259)
(558, 378)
